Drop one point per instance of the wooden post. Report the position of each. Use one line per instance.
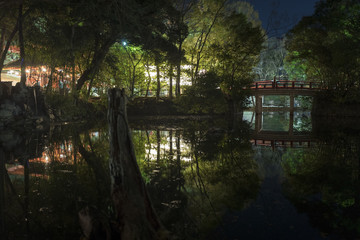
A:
(292, 103)
(291, 124)
(258, 104)
(258, 123)
(134, 212)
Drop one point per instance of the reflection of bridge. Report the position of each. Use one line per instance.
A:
(279, 138)
(290, 88)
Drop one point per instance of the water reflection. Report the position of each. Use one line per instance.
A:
(206, 181)
(196, 174)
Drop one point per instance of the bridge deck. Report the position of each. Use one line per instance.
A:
(284, 91)
(284, 88)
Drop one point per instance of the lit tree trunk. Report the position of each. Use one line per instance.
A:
(149, 82)
(22, 48)
(134, 212)
(158, 81)
(178, 71)
(171, 81)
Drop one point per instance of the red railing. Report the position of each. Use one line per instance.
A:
(284, 84)
(282, 143)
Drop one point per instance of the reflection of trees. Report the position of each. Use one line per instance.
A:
(325, 183)
(159, 155)
(222, 174)
(44, 201)
(195, 174)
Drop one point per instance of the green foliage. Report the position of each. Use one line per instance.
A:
(66, 108)
(235, 53)
(204, 96)
(326, 46)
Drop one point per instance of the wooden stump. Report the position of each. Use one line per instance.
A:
(134, 212)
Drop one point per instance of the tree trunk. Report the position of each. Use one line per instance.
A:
(2, 41)
(177, 87)
(2, 192)
(171, 81)
(134, 212)
(22, 48)
(50, 82)
(73, 80)
(149, 82)
(7, 46)
(158, 81)
(133, 81)
(178, 72)
(99, 56)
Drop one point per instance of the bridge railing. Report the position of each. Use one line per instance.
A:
(284, 84)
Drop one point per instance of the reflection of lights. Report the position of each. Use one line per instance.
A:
(46, 159)
(27, 71)
(67, 75)
(43, 69)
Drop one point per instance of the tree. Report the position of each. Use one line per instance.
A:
(272, 58)
(180, 32)
(85, 31)
(202, 20)
(9, 17)
(234, 56)
(327, 43)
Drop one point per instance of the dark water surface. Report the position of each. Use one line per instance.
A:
(273, 176)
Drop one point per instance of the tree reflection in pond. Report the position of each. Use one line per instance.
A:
(206, 182)
(325, 183)
(196, 173)
(46, 190)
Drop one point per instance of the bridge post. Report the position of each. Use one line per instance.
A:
(258, 122)
(292, 103)
(291, 124)
(258, 104)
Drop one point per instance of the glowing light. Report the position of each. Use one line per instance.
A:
(124, 43)
(27, 71)
(43, 69)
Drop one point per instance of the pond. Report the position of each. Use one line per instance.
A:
(272, 176)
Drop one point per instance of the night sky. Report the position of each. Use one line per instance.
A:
(284, 13)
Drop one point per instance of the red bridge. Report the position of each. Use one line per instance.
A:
(284, 84)
(282, 87)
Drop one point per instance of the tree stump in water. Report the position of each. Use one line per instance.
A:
(134, 211)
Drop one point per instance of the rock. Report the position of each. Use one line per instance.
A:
(9, 111)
